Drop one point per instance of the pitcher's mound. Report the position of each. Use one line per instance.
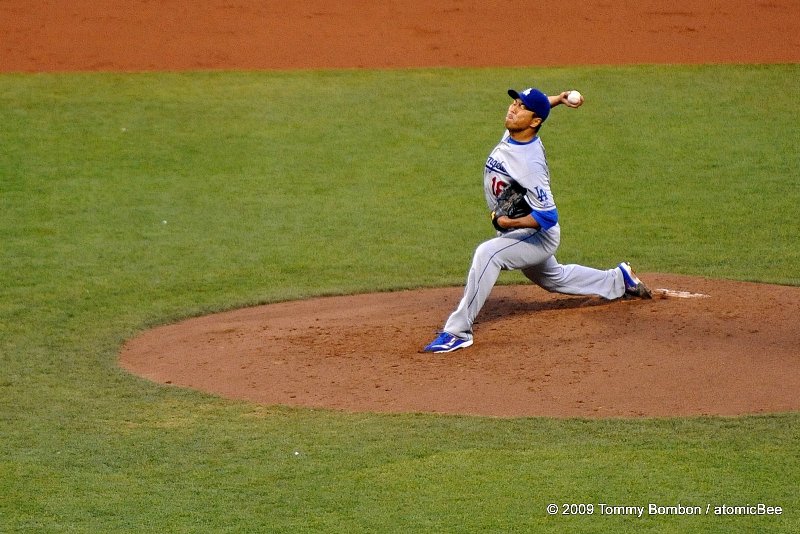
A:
(704, 347)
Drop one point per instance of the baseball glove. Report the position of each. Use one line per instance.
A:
(512, 204)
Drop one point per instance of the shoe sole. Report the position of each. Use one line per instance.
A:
(641, 291)
(463, 345)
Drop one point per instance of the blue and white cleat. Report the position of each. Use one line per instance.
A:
(446, 342)
(633, 286)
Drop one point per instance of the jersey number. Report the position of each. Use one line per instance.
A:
(498, 186)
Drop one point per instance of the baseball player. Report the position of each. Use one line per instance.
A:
(526, 242)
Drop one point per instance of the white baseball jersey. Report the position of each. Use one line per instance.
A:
(526, 164)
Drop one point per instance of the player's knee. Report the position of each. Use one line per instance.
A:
(481, 251)
(553, 280)
(486, 253)
(546, 283)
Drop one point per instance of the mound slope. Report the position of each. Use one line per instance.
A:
(733, 352)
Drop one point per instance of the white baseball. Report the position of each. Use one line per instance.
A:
(574, 97)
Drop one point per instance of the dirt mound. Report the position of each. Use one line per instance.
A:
(731, 352)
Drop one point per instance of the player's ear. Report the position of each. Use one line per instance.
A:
(536, 122)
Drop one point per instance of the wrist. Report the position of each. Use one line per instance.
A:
(557, 99)
(495, 218)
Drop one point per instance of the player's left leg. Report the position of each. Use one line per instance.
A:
(577, 279)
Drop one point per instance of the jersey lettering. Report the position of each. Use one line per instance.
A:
(495, 165)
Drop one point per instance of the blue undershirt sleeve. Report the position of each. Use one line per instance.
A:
(546, 219)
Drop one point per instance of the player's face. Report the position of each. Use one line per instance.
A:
(520, 118)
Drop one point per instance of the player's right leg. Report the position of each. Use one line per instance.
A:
(514, 250)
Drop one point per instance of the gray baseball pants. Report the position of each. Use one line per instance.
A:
(532, 252)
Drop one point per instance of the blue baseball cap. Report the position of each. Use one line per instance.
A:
(534, 100)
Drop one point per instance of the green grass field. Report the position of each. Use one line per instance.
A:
(130, 200)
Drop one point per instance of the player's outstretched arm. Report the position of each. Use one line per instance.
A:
(563, 98)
